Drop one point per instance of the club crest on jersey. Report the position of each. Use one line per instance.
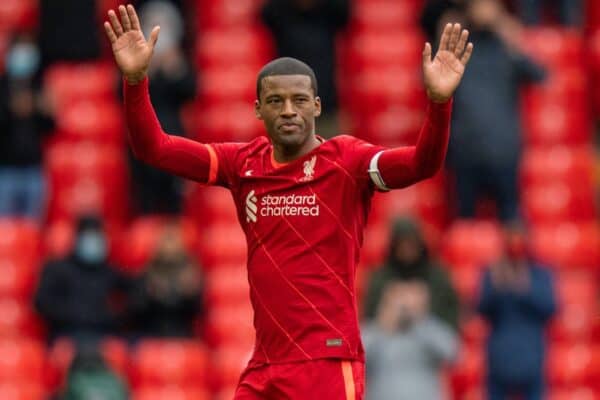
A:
(309, 169)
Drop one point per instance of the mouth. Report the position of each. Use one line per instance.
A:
(289, 127)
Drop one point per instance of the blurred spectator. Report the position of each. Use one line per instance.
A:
(25, 117)
(68, 39)
(172, 83)
(76, 296)
(167, 297)
(437, 13)
(517, 299)
(306, 30)
(409, 261)
(90, 378)
(569, 12)
(406, 345)
(485, 146)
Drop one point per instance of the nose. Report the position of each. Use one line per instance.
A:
(288, 110)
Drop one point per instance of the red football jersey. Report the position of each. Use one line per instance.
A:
(304, 224)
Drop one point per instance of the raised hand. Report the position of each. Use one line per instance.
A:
(443, 74)
(131, 50)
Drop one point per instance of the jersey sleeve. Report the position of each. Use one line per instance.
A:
(224, 163)
(357, 155)
(403, 166)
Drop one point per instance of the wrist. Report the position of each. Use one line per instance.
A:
(438, 99)
(135, 79)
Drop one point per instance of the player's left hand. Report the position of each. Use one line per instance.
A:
(443, 74)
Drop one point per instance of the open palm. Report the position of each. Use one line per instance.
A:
(443, 74)
(131, 50)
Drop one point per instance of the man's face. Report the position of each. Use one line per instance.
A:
(288, 107)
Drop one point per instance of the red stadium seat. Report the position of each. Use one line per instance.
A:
(208, 204)
(225, 47)
(67, 83)
(20, 241)
(373, 49)
(227, 13)
(555, 47)
(230, 361)
(214, 122)
(17, 320)
(470, 369)
(556, 122)
(231, 324)
(466, 281)
(22, 391)
(572, 364)
(384, 15)
(472, 244)
(21, 360)
(567, 245)
(574, 393)
(557, 164)
(138, 243)
(17, 279)
(98, 121)
(94, 181)
(171, 392)
(556, 202)
(391, 126)
(223, 243)
(229, 83)
(18, 14)
(475, 330)
(170, 362)
(227, 284)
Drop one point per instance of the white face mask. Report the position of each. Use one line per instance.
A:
(91, 247)
(22, 61)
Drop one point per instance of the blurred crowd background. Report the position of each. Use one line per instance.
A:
(119, 281)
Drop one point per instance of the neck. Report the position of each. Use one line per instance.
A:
(285, 154)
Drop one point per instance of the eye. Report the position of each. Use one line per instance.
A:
(273, 100)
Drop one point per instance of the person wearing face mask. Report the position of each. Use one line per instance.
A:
(167, 298)
(517, 299)
(409, 260)
(25, 119)
(485, 145)
(172, 84)
(76, 295)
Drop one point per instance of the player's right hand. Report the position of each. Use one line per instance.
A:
(131, 50)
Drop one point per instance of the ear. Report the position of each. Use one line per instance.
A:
(317, 106)
(257, 109)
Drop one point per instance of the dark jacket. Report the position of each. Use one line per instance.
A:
(486, 126)
(309, 35)
(516, 344)
(20, 137)
(444, 301)
(75, 299)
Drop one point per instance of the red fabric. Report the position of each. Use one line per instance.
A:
(323, 379)
(403, 166)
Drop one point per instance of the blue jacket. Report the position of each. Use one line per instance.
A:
(516, 345)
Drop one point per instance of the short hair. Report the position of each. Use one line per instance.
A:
(286, 66)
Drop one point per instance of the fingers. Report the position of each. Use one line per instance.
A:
(454, 37)
(154, 36)
(445, 37)
(135, 22)
(114, 21)
(462, 42)
(467, 55)
(110, 33)
(125, 18)
(427, 53)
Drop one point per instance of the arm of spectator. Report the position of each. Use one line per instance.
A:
(539, 298)
(50, 296)
(438, 338)
(490, 297)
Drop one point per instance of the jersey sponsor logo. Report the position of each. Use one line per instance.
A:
(251, 207)
(309, 169)
(281, 206)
